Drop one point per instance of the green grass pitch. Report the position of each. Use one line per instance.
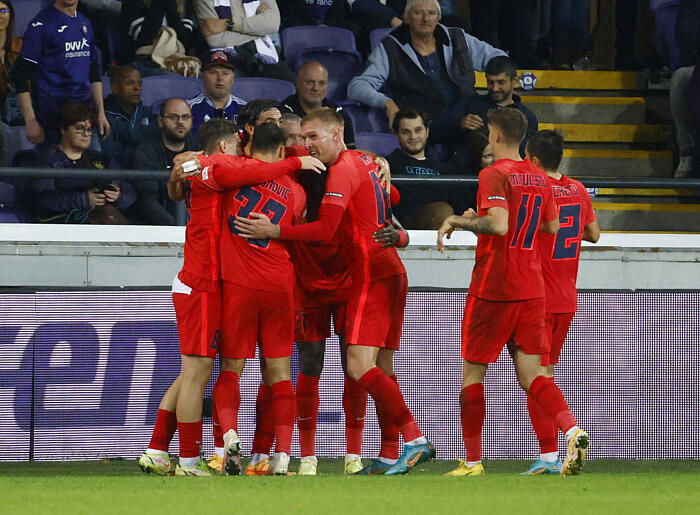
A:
(115, 486)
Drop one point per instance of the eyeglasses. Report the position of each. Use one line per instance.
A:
(178, 117)
(4, 10)
(82, 129)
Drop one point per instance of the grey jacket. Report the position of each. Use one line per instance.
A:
(365, 88)
(244, 29)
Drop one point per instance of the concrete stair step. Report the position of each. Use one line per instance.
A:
(610, 133)
(647, 192)
(598, 110)
(582, 80)
(617, 163)
(648, 217)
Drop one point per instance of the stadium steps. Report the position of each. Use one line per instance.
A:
(638, 216)
(583, 80)
(581, 109)
(591, 162)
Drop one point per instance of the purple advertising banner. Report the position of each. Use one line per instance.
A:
(82, 373)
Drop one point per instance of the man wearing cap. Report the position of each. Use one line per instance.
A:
(216, 101)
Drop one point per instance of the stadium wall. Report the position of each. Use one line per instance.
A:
(83, 365)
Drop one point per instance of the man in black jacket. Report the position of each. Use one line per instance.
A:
(153, 205)
(312, 87)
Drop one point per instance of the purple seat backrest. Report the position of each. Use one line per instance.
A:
(13, 216)
(655, 5)
(297, 39)
(341, 64)
(250, 88)
(25, 10)
(376, 36)
(14, 140)
(379, 143)
(8, 195)
(158, 87)
(365, 118)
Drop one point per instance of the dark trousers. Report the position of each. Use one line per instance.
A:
(505, 24)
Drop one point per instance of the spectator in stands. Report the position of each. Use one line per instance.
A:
(474, 156)
(10, 46)
(375, 14)
(260, 110)
(314, 12)
(688, 36)
(312, 88)
(58, 65)
(243, 29)
(104, 6)
(76, 200)
(507, 23)
(291, 125)
(422, 206)
(132, 123)
(142, 22)
(501, 81)
(570, 33)
(216, 101)
(153, 205)
(423, 63)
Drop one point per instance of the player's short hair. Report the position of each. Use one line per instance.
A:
(412, 3)
(74, 112)
(214, 130)
(408, 114)
(510, 122)
(268, 138)
(548, 147)
(290, 117)
(252, 110)
(502, 64)
(324, 115)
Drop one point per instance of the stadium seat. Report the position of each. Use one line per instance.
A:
(298, 39)
(25, 10)
(9, 212)
(14, 139)
(158, 87)
(250, 88)
(376, 36)
(380, 144)
(337, 91)
(365, 118)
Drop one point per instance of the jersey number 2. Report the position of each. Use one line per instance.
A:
(249, 199)
(567, 243)
(528, 220)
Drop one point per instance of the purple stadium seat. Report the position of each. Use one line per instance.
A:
(25, 10)
(157, 87)
(250, 88)
(365, 118)
(665, 15)
(376, 36)
(298, 39)
(14, 139)
(9, 213)
(380, 144)
(337, 91)
(8, 195)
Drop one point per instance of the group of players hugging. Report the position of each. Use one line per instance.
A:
(280, 241)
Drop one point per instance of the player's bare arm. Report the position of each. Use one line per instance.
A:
(257, 226)
(551, 226)
(494, 222)
(591, 232)
(178, 175)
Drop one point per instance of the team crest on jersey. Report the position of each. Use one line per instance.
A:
(85, 29)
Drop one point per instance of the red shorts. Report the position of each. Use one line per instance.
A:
(198, 315)
(375, 313)
(488, 326)
(557, 327)
(315, 312)
(252, 317)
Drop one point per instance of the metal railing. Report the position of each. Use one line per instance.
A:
(180, 214)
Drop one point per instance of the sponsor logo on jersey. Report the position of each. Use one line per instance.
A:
(85, 29)
(62, 28)
(332, 194)
(77, 48)
(496, 197)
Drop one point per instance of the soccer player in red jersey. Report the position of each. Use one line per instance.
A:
(258, 301)
(560, 260)
(356, 205)
(505, 304)
(197, 299)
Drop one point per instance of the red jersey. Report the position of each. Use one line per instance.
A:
(560, 252)
(320, 267)
(203, 231)
(355, 205)
(508, 268)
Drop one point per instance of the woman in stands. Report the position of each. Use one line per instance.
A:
(9, 44)
(67, 200)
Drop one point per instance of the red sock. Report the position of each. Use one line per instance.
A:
(190, 439)
(549, 397)
(387, 397)
(307, 413)
(227, 400)
(355, 408)
(390, 433)
(284, 408)
(473, 413)
(216, 426)
(545, 428)
(264, 421)
(164, 430)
